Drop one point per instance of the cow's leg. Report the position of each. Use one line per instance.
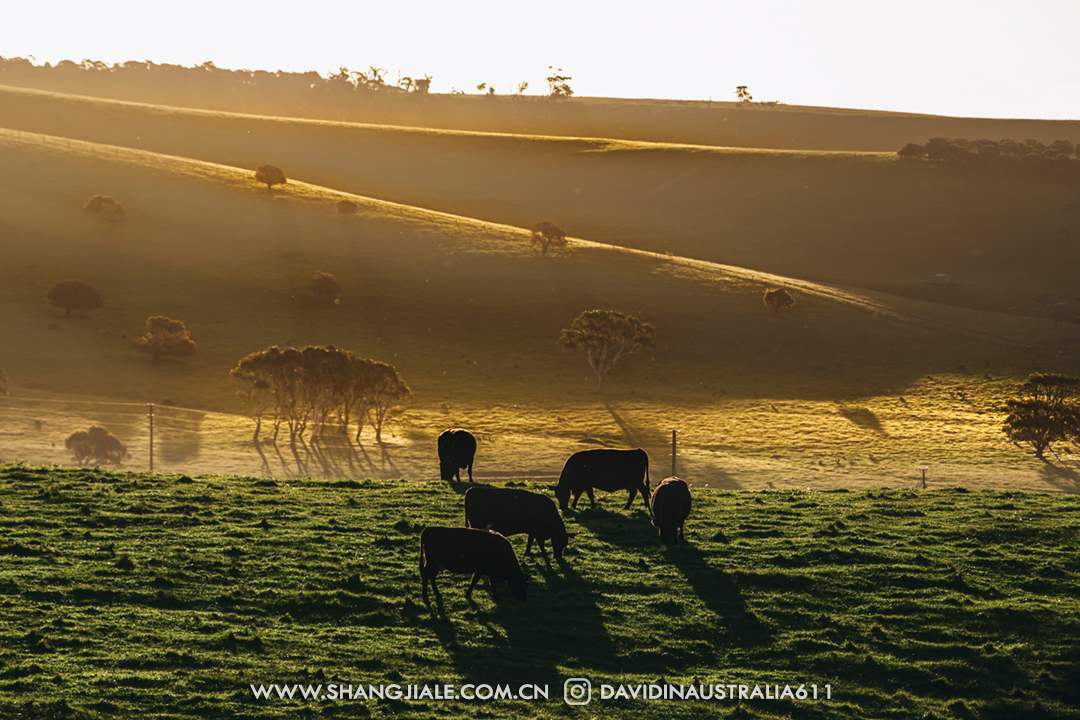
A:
(423, 583)
(435, 588)
(540, 544)
(592, 498)
(630, 500)
(475, 579)
(577, 496)
(492, 581)
(682, 530)
(645, 496)
(528, 546)
(470, 471)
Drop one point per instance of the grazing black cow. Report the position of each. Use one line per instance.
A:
(464, 550)
(608, 470)
(457, 448)
(670, 508)
(510, 512)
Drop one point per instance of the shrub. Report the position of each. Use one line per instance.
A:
(547, 235)
(106, 208)
(346, 208)
(165, 338)
(74, 295)
(324, 287)
(778, 299)
(271, 175)
(96, 446)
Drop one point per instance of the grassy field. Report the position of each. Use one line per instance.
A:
(849, 389)
(865, 220)
(165, 596)
(697, 122)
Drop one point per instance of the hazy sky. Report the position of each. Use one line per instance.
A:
(990, 58)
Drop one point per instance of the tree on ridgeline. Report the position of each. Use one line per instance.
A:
(325, 288)
(270, 175)
(74, 295)
(742, 94)
(1045, 412)
(165, 338)
(558, 84)
(604, 337)
(777, 299)
(96, 446)
(547, 235)
(346, 208)
(318, 387)
(106, 208)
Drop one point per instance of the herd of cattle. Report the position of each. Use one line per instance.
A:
(491, 513)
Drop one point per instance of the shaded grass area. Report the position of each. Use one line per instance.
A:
(168, 596)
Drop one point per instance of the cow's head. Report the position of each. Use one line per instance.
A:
(447, 470)
(668, 533)
(518, 586)
(559, 543)
(562, 494)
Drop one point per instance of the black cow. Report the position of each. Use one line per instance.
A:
(464, 550)
(457, 448)
(670, 508)
(510, 512)
(608, 470)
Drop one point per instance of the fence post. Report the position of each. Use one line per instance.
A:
(151, 416)
(673, 453)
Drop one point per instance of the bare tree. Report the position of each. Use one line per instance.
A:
(606, 336)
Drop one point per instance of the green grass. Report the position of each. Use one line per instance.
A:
(166, 596)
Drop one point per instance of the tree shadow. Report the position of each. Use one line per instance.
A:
(736, 624)
(1063, 478)
(629, 432)
(864, 417)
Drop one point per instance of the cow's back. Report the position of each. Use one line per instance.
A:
(606, 469)
(467, 550)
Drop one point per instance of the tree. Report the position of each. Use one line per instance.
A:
(165, 338)
(743, 94)
(96, 446)
(271, 175)
(547, 235)
(325, 288)
(558, 85)
(74, 295)
(1046, 411)
(777, 299)
(346, 208)
(105, 207)
(606, 336)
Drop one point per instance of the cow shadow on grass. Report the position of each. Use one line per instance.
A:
(561, 626)
(716, 589)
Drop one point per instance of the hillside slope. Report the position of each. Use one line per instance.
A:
(869, 221)
(471, 317)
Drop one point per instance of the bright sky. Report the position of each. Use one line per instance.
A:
(987, 58)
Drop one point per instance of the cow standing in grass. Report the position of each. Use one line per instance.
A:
(670, 508)
(510, 512)
(465, 550)
(608, 470)
(457, 448)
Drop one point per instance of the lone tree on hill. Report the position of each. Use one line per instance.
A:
(346, 208)
(74, 295)
(777, 299)
(271, 175)
(165, 338)
(547, 235)
(325, 288)
(743, 94)
(106, 208)
(558, 84)
(1045, 412)
(96, 446)
(605, 336)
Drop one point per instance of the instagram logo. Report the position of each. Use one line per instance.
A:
(577, 691)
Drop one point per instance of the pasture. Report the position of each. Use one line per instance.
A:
(849, 388)
(168, 596)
